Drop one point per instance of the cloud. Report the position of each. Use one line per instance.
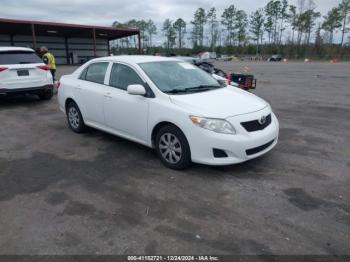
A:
(106, 11)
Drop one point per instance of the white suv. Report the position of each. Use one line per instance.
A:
(22, 71)
(170, 105)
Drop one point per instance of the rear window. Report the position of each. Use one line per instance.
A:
(18, 57)
(95, 72)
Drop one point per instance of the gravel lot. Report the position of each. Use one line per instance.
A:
(64, 193)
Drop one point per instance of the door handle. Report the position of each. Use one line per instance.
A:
(108, 94)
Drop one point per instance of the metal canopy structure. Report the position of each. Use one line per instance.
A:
(12, 27)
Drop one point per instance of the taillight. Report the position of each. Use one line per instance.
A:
(2, 68)
(58, 84)
(228, 76)
(43, 67)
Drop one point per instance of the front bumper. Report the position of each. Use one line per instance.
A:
(26, 90)
(238, 148)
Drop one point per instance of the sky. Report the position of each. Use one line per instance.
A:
(105, 12)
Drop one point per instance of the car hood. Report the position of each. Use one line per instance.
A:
(221, 103)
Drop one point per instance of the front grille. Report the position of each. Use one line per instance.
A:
(252, 126)
(258, 149)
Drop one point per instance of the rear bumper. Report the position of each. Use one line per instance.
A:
(27, 90)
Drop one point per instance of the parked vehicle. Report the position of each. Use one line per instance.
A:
(207, 55)
(216, 73)
(224, 58)
(169, 105)
(275, 58)
(23, 72)
(244, 81)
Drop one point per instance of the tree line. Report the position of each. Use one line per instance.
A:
(277, 27)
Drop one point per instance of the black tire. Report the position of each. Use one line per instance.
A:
(74, 118)
(184, 158)
(46, 95)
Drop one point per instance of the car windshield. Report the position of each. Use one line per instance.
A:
(179, 77)
(19, 57)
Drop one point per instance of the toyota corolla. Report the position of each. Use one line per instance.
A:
(169, 105)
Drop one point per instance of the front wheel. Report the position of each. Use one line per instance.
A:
(172, 148)
(74, 118)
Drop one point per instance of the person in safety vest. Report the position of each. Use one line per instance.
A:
(49, 60)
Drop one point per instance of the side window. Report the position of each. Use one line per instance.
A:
(122, 76)
(96, 72)
(83, 74)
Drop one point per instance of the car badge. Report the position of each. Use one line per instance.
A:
(262, 120)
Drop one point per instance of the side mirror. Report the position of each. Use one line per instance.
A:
(136, 90)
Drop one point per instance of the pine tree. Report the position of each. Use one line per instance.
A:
(151, 30)
(228, 20)
(292, 19)
(213, 23)
(241, 25)
(180, 27)
(169, 33)
(256, 26)
(198, 25)
(332, 22)
(344, 9)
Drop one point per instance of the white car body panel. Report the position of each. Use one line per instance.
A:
(117, 102)
(91, 94)
(220, 103)
(135, 117)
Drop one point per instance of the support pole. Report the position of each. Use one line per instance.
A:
(109, 47)
(94, 40)
(67, 50)
(33, 36)
(11, 40)
(139, 38)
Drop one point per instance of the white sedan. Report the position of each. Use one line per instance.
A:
(169, 105)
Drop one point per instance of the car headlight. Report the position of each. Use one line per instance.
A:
(215, 125)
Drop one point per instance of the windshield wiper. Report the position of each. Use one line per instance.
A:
(202, 88)
(175, 91)
(199, 88)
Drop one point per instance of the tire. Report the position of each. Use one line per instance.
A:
(172, 148)
(46, 95)
(74, 118)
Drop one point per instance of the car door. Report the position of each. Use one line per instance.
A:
(126, 114)
(89, 92)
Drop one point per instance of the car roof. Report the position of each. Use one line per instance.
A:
(188, 58)
(137, 59)
(14, 48)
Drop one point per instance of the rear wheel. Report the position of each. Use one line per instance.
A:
(46, 95)
(74, 118)
(172, 148)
